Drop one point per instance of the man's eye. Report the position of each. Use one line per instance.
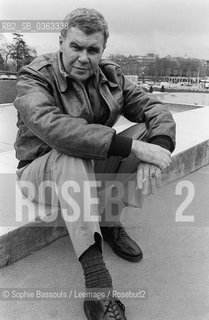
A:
(92, 50)
(75, 47)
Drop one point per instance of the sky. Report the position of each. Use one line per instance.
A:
(137, 27)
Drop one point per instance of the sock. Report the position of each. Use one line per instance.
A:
(95, 271)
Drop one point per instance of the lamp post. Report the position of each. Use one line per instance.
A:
(198, 75)
(142, 77)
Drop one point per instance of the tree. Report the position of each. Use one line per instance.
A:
(19, 52)
(1, 62)
(4, 51)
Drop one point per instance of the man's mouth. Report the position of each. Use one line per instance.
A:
(82, 69)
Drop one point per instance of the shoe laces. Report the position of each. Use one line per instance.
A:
(113, 309)
(120, 232)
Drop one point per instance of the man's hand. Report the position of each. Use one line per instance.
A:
(148, 177)
(151, 153)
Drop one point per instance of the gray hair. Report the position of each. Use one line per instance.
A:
(87, 20)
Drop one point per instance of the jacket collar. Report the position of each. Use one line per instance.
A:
(103, 79)
(62, 75)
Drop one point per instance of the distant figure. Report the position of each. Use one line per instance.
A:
(151, 89)
(162, 89)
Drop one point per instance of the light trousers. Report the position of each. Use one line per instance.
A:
(75, 189)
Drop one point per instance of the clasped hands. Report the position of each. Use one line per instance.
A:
(154, 159)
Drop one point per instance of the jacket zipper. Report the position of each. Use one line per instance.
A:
(86, 96)
(112, 121)
(108, 123)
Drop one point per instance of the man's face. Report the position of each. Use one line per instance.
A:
(81, 53)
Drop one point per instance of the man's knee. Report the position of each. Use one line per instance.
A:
(69, 164)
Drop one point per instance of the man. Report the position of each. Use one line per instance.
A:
(67, 103)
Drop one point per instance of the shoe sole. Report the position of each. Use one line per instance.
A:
(124, 256)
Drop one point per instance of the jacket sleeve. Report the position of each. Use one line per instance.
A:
(72, 136)
(144, 107)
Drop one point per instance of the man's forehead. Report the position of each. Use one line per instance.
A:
(76, 35)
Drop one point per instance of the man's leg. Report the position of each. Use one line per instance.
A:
(118, 164)
(71, 178)
(120, 170)
(85, 235)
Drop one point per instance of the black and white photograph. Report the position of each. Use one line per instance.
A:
(104, 160)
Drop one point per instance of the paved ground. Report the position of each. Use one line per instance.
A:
(174, 270)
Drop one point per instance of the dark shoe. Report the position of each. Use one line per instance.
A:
(108, 309)
(121, 243)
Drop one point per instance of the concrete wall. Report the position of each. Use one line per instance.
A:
(7, 91)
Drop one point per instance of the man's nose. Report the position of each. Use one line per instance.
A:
(83, 57)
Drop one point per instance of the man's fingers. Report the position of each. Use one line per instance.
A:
(164, 162)
(167, 151)
(145, 190)
(155, 178)
(140, 177)
(148, 178)
(158, 177)
(152, 177)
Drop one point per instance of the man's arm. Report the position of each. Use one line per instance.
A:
(140, 106)
(155, 154)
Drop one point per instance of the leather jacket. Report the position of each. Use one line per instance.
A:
(54, 110)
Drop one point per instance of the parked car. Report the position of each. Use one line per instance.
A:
(3, 77)
(164, 84)
(12, 77)
(8, 77)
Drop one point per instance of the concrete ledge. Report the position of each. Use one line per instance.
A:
(192, 153)
(186, 162)
(24, 240)
(179, 107)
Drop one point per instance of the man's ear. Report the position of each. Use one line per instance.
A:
(104, 47)
(60, 42)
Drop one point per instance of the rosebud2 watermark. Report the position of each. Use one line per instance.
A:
(26, 294)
